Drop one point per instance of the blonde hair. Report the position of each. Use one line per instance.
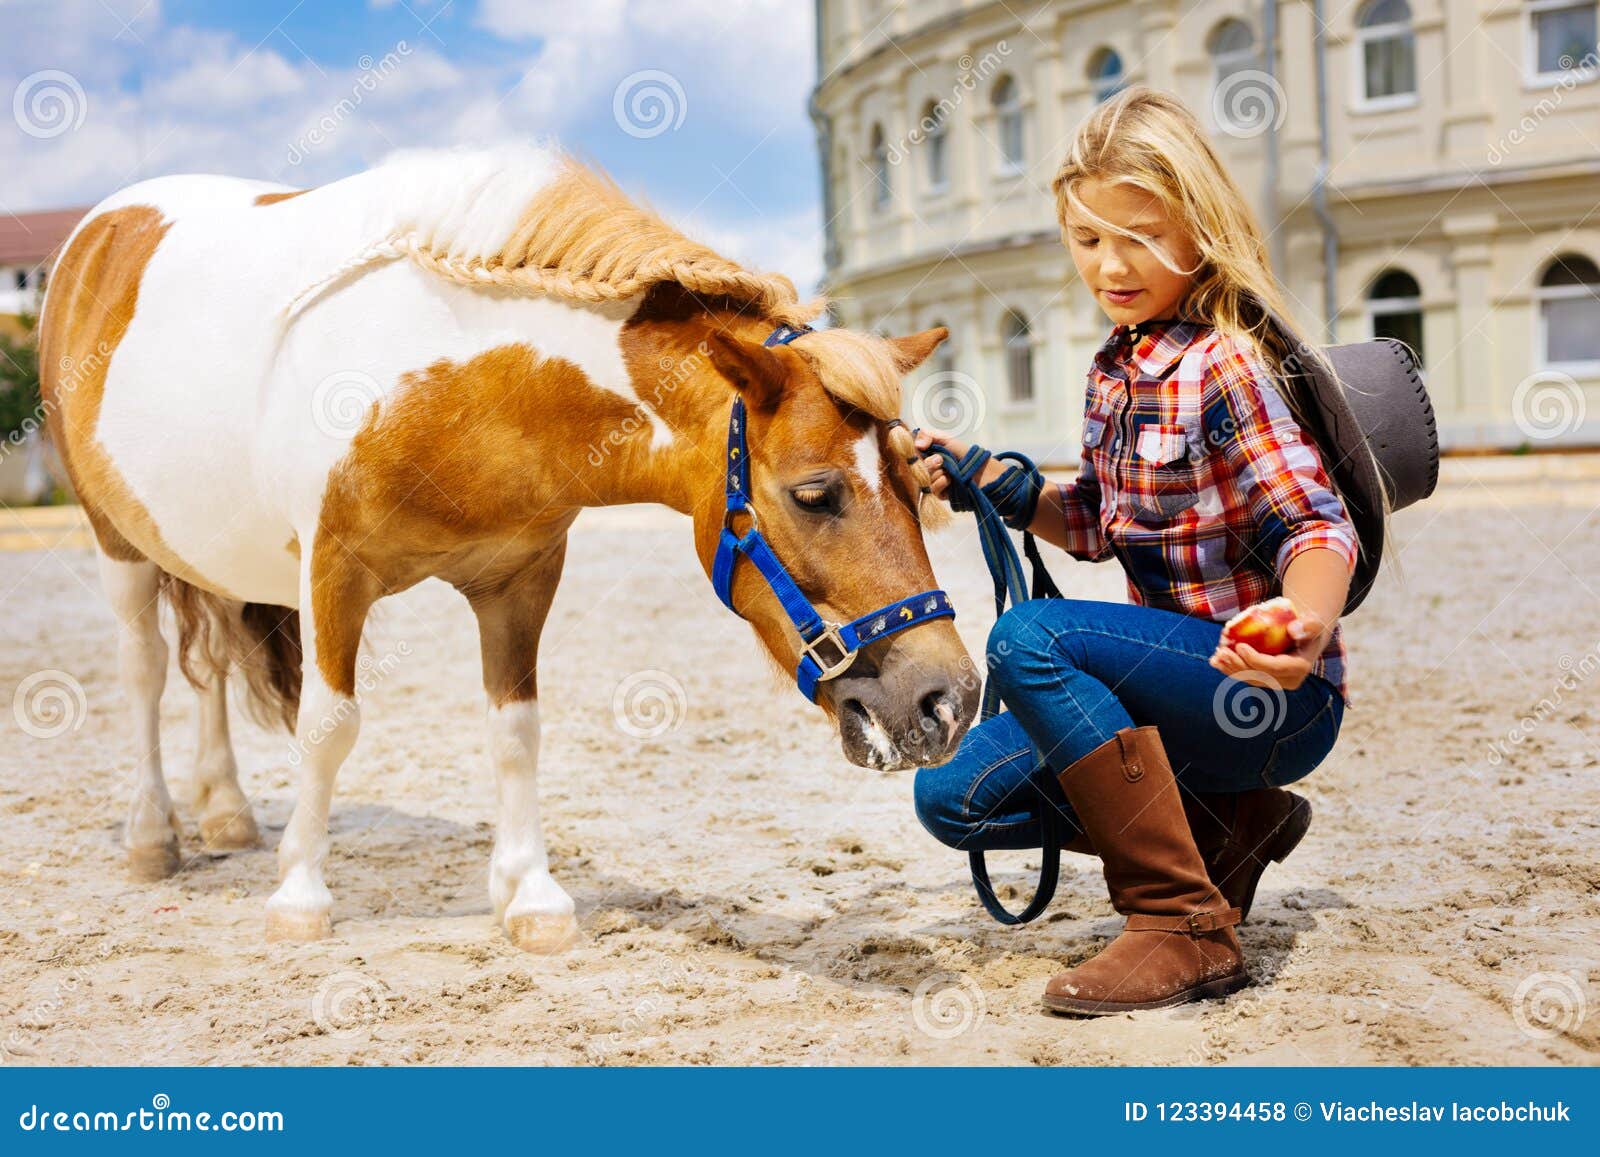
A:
(1149, 140)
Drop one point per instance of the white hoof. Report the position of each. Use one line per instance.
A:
(543, 932)
(147, 865)
(284, 925)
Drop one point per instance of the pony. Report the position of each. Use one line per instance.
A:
(278, 406)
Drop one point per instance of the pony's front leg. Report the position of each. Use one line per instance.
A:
(535, 911)
(332, 611)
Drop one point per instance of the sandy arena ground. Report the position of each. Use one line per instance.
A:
(746, 897)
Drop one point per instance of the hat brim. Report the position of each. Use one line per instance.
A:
(1382, 381)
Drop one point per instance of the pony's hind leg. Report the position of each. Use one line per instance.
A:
(226, 821)
(535, 911)
(208, 626)
(151, 835)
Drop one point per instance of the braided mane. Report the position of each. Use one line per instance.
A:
(531, 219)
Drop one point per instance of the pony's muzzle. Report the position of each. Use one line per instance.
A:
(892, 722)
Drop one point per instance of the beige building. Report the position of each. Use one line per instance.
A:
(1428, 169)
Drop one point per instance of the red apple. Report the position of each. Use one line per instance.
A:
(1264, 626)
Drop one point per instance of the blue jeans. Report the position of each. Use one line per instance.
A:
(1072, 673)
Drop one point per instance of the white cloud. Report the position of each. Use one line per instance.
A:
(751, 62)
(213, 102)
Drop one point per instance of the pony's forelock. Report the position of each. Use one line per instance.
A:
(859, 369)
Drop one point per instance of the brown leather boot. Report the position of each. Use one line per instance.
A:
(1236, 834)
(1178, 943)
(1239, 832)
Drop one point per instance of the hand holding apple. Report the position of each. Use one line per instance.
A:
(1271, 643)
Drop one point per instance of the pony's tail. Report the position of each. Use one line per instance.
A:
(261, 641)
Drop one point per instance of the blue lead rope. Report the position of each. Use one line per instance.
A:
(1000, 553)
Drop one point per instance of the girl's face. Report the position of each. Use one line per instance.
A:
(1127, 280)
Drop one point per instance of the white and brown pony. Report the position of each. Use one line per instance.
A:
(525, 341)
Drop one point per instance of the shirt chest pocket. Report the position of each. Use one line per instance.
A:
(1162, 475)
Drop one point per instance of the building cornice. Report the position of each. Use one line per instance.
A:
(1014, 242)
(1464, 179)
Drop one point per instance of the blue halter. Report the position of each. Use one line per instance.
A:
(826, 649)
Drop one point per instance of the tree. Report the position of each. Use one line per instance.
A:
(20, 405)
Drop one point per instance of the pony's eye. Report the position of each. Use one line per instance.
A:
(811, 497)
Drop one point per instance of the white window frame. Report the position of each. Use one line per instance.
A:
(1376, 307)
(938, 138)
(1011, 404)
(1541, 294)
(1006, 167)
(1096, 81)
(882, 186)
(1251, 56)
(1390, 31)
(1530, 45)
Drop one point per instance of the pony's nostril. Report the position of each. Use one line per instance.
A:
(937, 717)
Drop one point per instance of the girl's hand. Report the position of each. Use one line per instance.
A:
(1286, 671)
(927, 437)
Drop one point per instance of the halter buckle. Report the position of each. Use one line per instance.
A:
(747, 508)
(830, 668)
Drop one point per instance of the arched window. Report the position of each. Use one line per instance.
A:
(936, 146)
(1569, 312)
(879, 164)
(1008, 123)
(1394, 309)
(1233, 51)
(1105, 74)
(1561, 37)
(1388, 52)
(1018, 337)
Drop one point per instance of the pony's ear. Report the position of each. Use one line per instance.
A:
(754, 370)
(911, 351)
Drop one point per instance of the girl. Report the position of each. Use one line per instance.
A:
(1163, 748)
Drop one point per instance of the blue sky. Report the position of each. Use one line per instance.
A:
(712, 127)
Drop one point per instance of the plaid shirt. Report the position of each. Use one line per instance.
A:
(1197, 478)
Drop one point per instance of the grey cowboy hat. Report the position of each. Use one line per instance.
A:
(1377, 432)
